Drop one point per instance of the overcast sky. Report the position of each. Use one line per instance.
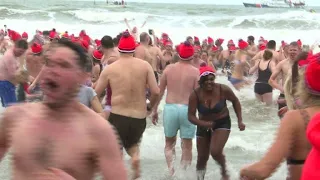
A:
(228, 2)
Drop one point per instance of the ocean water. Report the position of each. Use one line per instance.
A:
(179, 21)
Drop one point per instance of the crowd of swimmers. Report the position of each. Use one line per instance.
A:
(120, 81)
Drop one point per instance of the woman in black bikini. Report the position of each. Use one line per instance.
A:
(214, 122)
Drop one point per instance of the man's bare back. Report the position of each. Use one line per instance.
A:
(155, 54)
(111, 57)
(143, 53)
(41, 138)
(129, 88)
(182, 79)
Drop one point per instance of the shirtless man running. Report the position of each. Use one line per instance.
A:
(282, 69)
(128, 78)
(55, 128)
(180, 79)
(10, 72)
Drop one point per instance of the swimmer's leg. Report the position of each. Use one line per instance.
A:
(171, 126)
(267, 98)
(170, 153)
(218, 141)
(134, 153)
(203, 149)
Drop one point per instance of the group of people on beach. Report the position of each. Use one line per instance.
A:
(87, 100)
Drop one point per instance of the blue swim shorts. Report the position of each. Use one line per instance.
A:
(175, 117)
(7, 93)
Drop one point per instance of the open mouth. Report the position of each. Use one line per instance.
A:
(52, 85)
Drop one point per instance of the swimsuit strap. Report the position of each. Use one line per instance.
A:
(305, 116)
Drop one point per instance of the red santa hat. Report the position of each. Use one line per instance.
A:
(127, 43)
(36, 48)
(97, 55)
(186, 51)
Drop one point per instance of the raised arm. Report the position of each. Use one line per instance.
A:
(127, 24)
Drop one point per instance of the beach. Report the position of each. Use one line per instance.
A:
(179, 21)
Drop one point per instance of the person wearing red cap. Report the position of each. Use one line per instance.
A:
(25, 36)
(167, 54)
(226, 56)
(128, 78)
(294, 136)
(59, 131)
(10, 72)
(282, 69)
(264, 67)
(219, 43)
(239, 65)
(34, 64)
(214, 123)
(179, 79)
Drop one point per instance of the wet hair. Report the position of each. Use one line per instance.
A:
(271, 44)
(23, 44)
(197, 43)
(251, 38)
(83, 60)
(295, 71)
(144, 37)
(107, 42)
(267, 55)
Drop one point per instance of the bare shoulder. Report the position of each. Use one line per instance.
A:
(292, 118)
(225, 88)
(16, 112)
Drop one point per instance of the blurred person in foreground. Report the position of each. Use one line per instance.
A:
(291, 142)
(54, 128)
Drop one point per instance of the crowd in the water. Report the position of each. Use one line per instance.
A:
(78, 102)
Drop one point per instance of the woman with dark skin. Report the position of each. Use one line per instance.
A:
(214, 122)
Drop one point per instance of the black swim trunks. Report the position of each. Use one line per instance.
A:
(223, 123)
(262, 88)
(130, 130)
